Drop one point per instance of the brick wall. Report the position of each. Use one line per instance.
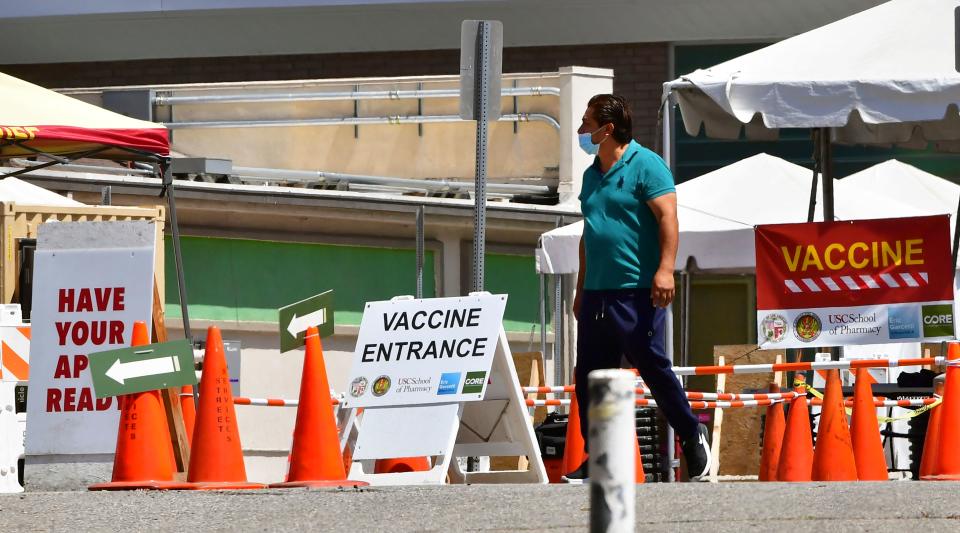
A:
(640, 70)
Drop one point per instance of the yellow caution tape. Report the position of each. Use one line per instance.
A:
(881, 419)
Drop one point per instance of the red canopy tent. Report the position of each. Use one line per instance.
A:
(37, 120)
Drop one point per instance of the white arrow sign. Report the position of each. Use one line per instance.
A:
(137, 369)
(301, 323)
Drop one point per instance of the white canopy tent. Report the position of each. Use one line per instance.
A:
(883, 76)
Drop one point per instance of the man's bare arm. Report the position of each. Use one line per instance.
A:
(662, 289)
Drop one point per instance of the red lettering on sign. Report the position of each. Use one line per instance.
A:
(66, 301)
(69, 396)
(71, 399)
(62, 329)
(97, 332)
(83, 300)
(80, 363)
(85, 403)
(116, 328)
(104, 403)
(63, 368)
(53, 400)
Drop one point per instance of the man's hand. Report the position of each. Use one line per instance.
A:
(576, 304)
(662, 289)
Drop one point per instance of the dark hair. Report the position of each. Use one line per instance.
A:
(613, 109)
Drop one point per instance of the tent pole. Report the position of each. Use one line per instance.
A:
(168, 188)
(956, 235)
(817, 166)
(826, 171)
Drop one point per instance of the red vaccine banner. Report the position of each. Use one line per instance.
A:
(857, 282)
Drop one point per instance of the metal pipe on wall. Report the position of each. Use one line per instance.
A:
(314, 176)
(353, 121)
(161, 99)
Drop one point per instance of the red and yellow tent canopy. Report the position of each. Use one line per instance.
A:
(34, 119)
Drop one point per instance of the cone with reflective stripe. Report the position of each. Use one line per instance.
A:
(144, 457)
(833, 455)
(772, 439)
(796, 454)
(315, 460)
(867, 445)
(931, 442)
(401, 464)
(948, 458)
(216, 457)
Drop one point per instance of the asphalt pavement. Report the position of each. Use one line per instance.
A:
(741, 507)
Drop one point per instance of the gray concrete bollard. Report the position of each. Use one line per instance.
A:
(612, 451)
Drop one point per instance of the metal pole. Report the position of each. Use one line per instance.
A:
(956, 237)
(826, 171)
(543, 323)
(419, 252)
(178, 259)
(613, 442)
(480, 194)
(558, 361)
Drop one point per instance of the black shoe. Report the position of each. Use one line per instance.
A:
(696, 450)
(578, 476)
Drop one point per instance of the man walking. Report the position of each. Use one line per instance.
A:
(627, 255)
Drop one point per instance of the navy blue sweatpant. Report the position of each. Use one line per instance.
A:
(615, 323)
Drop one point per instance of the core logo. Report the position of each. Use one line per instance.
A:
(449, 381)
(938, 320)
(474, 382)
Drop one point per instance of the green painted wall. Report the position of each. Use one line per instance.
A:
(247, 280)
(516, 276)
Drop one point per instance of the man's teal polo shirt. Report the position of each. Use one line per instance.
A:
(621, 235)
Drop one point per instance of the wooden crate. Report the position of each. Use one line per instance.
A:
(21, 221)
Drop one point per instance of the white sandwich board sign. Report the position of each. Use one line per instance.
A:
(417, 352)
(92, 281)
(436, 378)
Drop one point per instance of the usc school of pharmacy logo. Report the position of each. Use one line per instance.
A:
(807, 327)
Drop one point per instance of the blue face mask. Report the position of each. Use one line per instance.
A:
(586, 142)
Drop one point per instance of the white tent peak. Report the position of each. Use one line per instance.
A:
(884, 75)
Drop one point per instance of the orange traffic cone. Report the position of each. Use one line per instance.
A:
(639, 475)
(144, 457)
(315, 460)
(573, 448)
(867, 445)
(931, 442)
(796, 454)
(189, 410)
(401, 464)
(833, 455)
(948, 460)
(772, 439)
(216, 457)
